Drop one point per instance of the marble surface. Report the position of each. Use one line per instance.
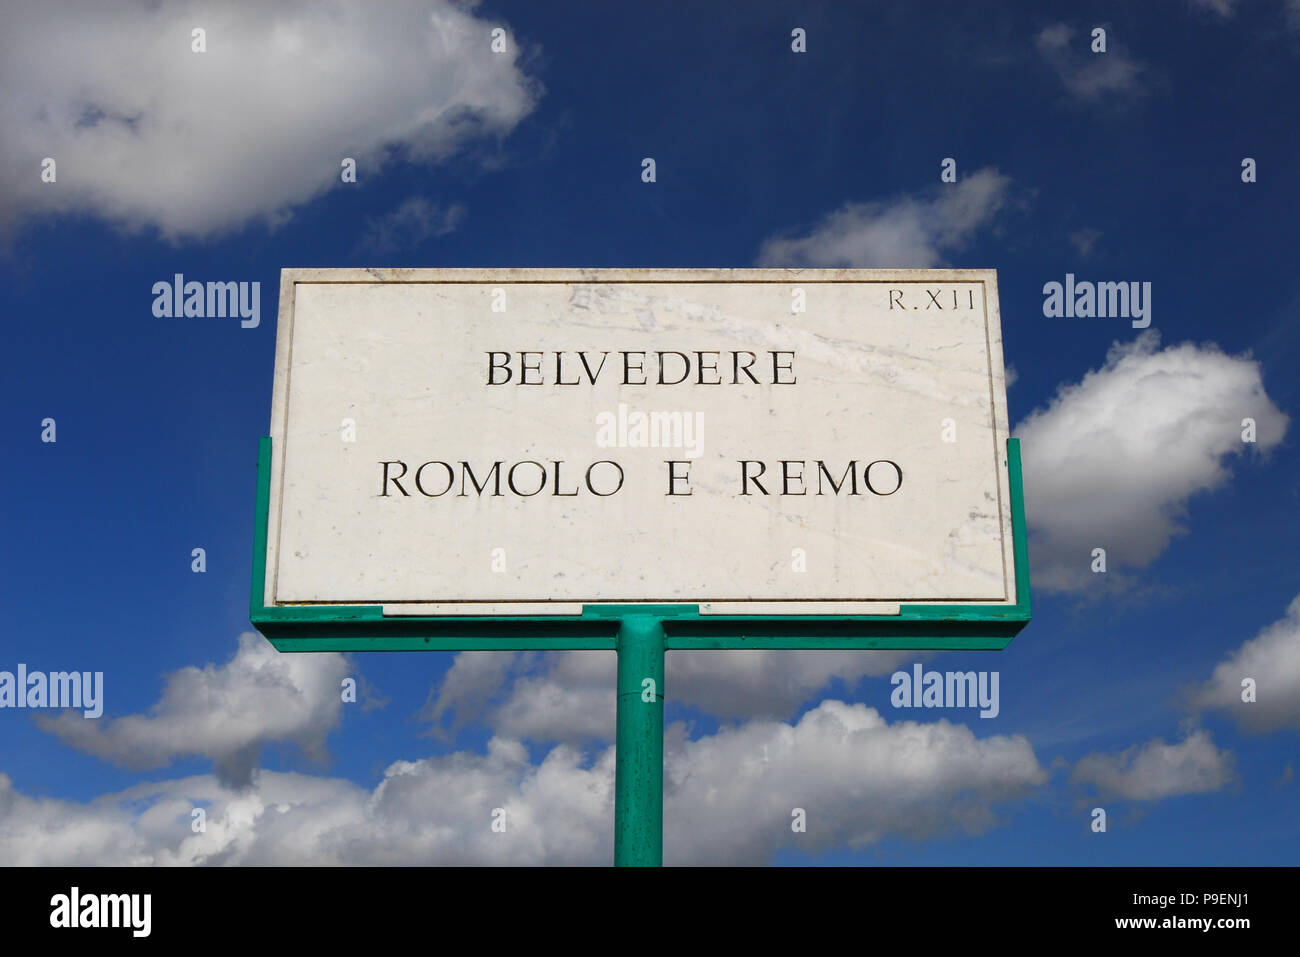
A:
(881, 361)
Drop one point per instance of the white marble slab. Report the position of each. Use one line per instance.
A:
(879, 359)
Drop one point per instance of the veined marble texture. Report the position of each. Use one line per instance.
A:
(512, 448)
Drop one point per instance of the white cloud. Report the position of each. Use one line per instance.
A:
(225, 713)
(568, 696)
(1272, 659)
(859, 780)
(1156, 770)
(772, 684)
(1087, 75)
(570, 699)
(1224, 8)
(146, 132)
(471, 682)
(728, 800)
(1084, 241)
(1113, 459)
(905, 232)
(413, 221)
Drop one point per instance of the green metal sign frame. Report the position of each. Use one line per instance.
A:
(640, 634)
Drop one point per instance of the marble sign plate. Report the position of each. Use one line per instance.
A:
(530, 441)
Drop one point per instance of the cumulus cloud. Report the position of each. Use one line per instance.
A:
(1113, 459)
(728, 800)
(1272, 660)
(570, 699)
(1088, 76)
(906, 232)
(568, 696)
(223, 712)
(472, 681)
(433, 811)
(858, 779)
(538, 696)
(146, 132)
(772, 684)
(1156, 770)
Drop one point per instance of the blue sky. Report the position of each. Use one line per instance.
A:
(1117, 166)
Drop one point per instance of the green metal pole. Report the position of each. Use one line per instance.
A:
(639, 759)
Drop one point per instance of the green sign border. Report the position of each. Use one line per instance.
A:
(355, 628)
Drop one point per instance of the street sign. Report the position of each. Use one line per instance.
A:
(525, 448)
(639, 460)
